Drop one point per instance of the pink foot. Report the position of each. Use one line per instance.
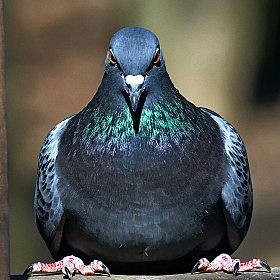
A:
(68, 266)
(226, 263)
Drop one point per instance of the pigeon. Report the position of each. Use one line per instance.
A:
(141, 179)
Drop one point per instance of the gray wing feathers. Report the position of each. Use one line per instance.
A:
(237, 194)
(48, 206)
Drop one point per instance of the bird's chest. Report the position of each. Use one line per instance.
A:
(142, 193)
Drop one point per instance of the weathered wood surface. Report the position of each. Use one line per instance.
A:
(256, 275)
(4, 209)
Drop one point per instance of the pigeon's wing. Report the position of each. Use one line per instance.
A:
(237, 193)
(48, 205)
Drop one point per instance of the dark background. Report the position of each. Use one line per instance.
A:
(223, 55)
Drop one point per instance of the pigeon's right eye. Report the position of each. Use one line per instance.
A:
(157, 57)
(112, 58)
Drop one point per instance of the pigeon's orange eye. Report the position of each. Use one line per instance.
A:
(112, 58)
(157, 57)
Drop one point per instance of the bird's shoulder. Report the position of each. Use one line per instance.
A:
(237, 193)
(48, 207)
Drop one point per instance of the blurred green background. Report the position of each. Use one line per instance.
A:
(222, 55)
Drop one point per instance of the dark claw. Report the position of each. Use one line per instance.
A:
(69, 274)
(236, 268)
(27, 271)
(106, 270)
(195, 267)
(265, 265)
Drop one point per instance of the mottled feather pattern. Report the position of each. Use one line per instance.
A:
(47, 199)
(237, 194)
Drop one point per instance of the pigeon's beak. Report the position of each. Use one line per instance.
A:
(134, 88)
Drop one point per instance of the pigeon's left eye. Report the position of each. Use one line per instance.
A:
(112, 58)
(157, 57)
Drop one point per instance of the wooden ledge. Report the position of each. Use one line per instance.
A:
(256, 275)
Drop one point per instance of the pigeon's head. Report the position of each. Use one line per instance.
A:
(133, 53)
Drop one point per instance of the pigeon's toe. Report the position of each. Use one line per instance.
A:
(226, 263)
